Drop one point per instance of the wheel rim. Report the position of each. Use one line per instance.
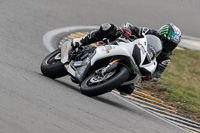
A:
(54, 59)
(96, 79)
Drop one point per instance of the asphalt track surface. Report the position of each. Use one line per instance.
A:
(30, 102)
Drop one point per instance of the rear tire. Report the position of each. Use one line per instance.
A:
(114, 81)
(52, 67)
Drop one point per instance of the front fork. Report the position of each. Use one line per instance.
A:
(65, 46)
(65, 51)
(111, 66)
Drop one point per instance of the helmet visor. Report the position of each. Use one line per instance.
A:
(169, 46)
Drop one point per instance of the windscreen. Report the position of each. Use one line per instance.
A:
(154, 46)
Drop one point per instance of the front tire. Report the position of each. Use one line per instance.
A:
(120, 76)
(52, 66)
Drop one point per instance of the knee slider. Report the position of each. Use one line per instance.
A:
(106, 27)
(106, 30)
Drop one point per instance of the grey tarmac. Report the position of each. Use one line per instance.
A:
(33, 103)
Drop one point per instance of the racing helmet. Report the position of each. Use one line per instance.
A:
(171, 36)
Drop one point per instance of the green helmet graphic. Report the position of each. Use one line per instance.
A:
(172, 36)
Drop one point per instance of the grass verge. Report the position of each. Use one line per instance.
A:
(180, 82)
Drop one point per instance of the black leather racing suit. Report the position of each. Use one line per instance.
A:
(163, 58)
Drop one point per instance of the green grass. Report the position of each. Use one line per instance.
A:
(182, 79)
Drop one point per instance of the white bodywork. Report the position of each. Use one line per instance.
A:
(124, 48)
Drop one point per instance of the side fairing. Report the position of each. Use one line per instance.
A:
(123, 49)
(140, 55)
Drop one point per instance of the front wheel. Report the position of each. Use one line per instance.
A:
(52, 66)
(95, 84)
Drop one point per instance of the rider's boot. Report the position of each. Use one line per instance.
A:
(128, 86)
(126, 89)
(86, 40)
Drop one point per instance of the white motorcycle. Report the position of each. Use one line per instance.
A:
(101, 69)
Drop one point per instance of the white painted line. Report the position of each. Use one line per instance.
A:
(182, 125)
(51, 38)
(177, 120)
(162, 112)
(173, 115)
(190, 38)
(130, 102)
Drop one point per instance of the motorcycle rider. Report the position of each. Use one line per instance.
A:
(169, 34)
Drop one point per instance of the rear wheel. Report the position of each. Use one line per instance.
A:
(52, 66)
(96, 84)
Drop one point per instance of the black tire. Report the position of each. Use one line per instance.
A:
(51, 67)
(116, 80)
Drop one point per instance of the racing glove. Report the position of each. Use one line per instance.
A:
(160, 68)
(126, 29)
(125, 32)
(155, 76)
